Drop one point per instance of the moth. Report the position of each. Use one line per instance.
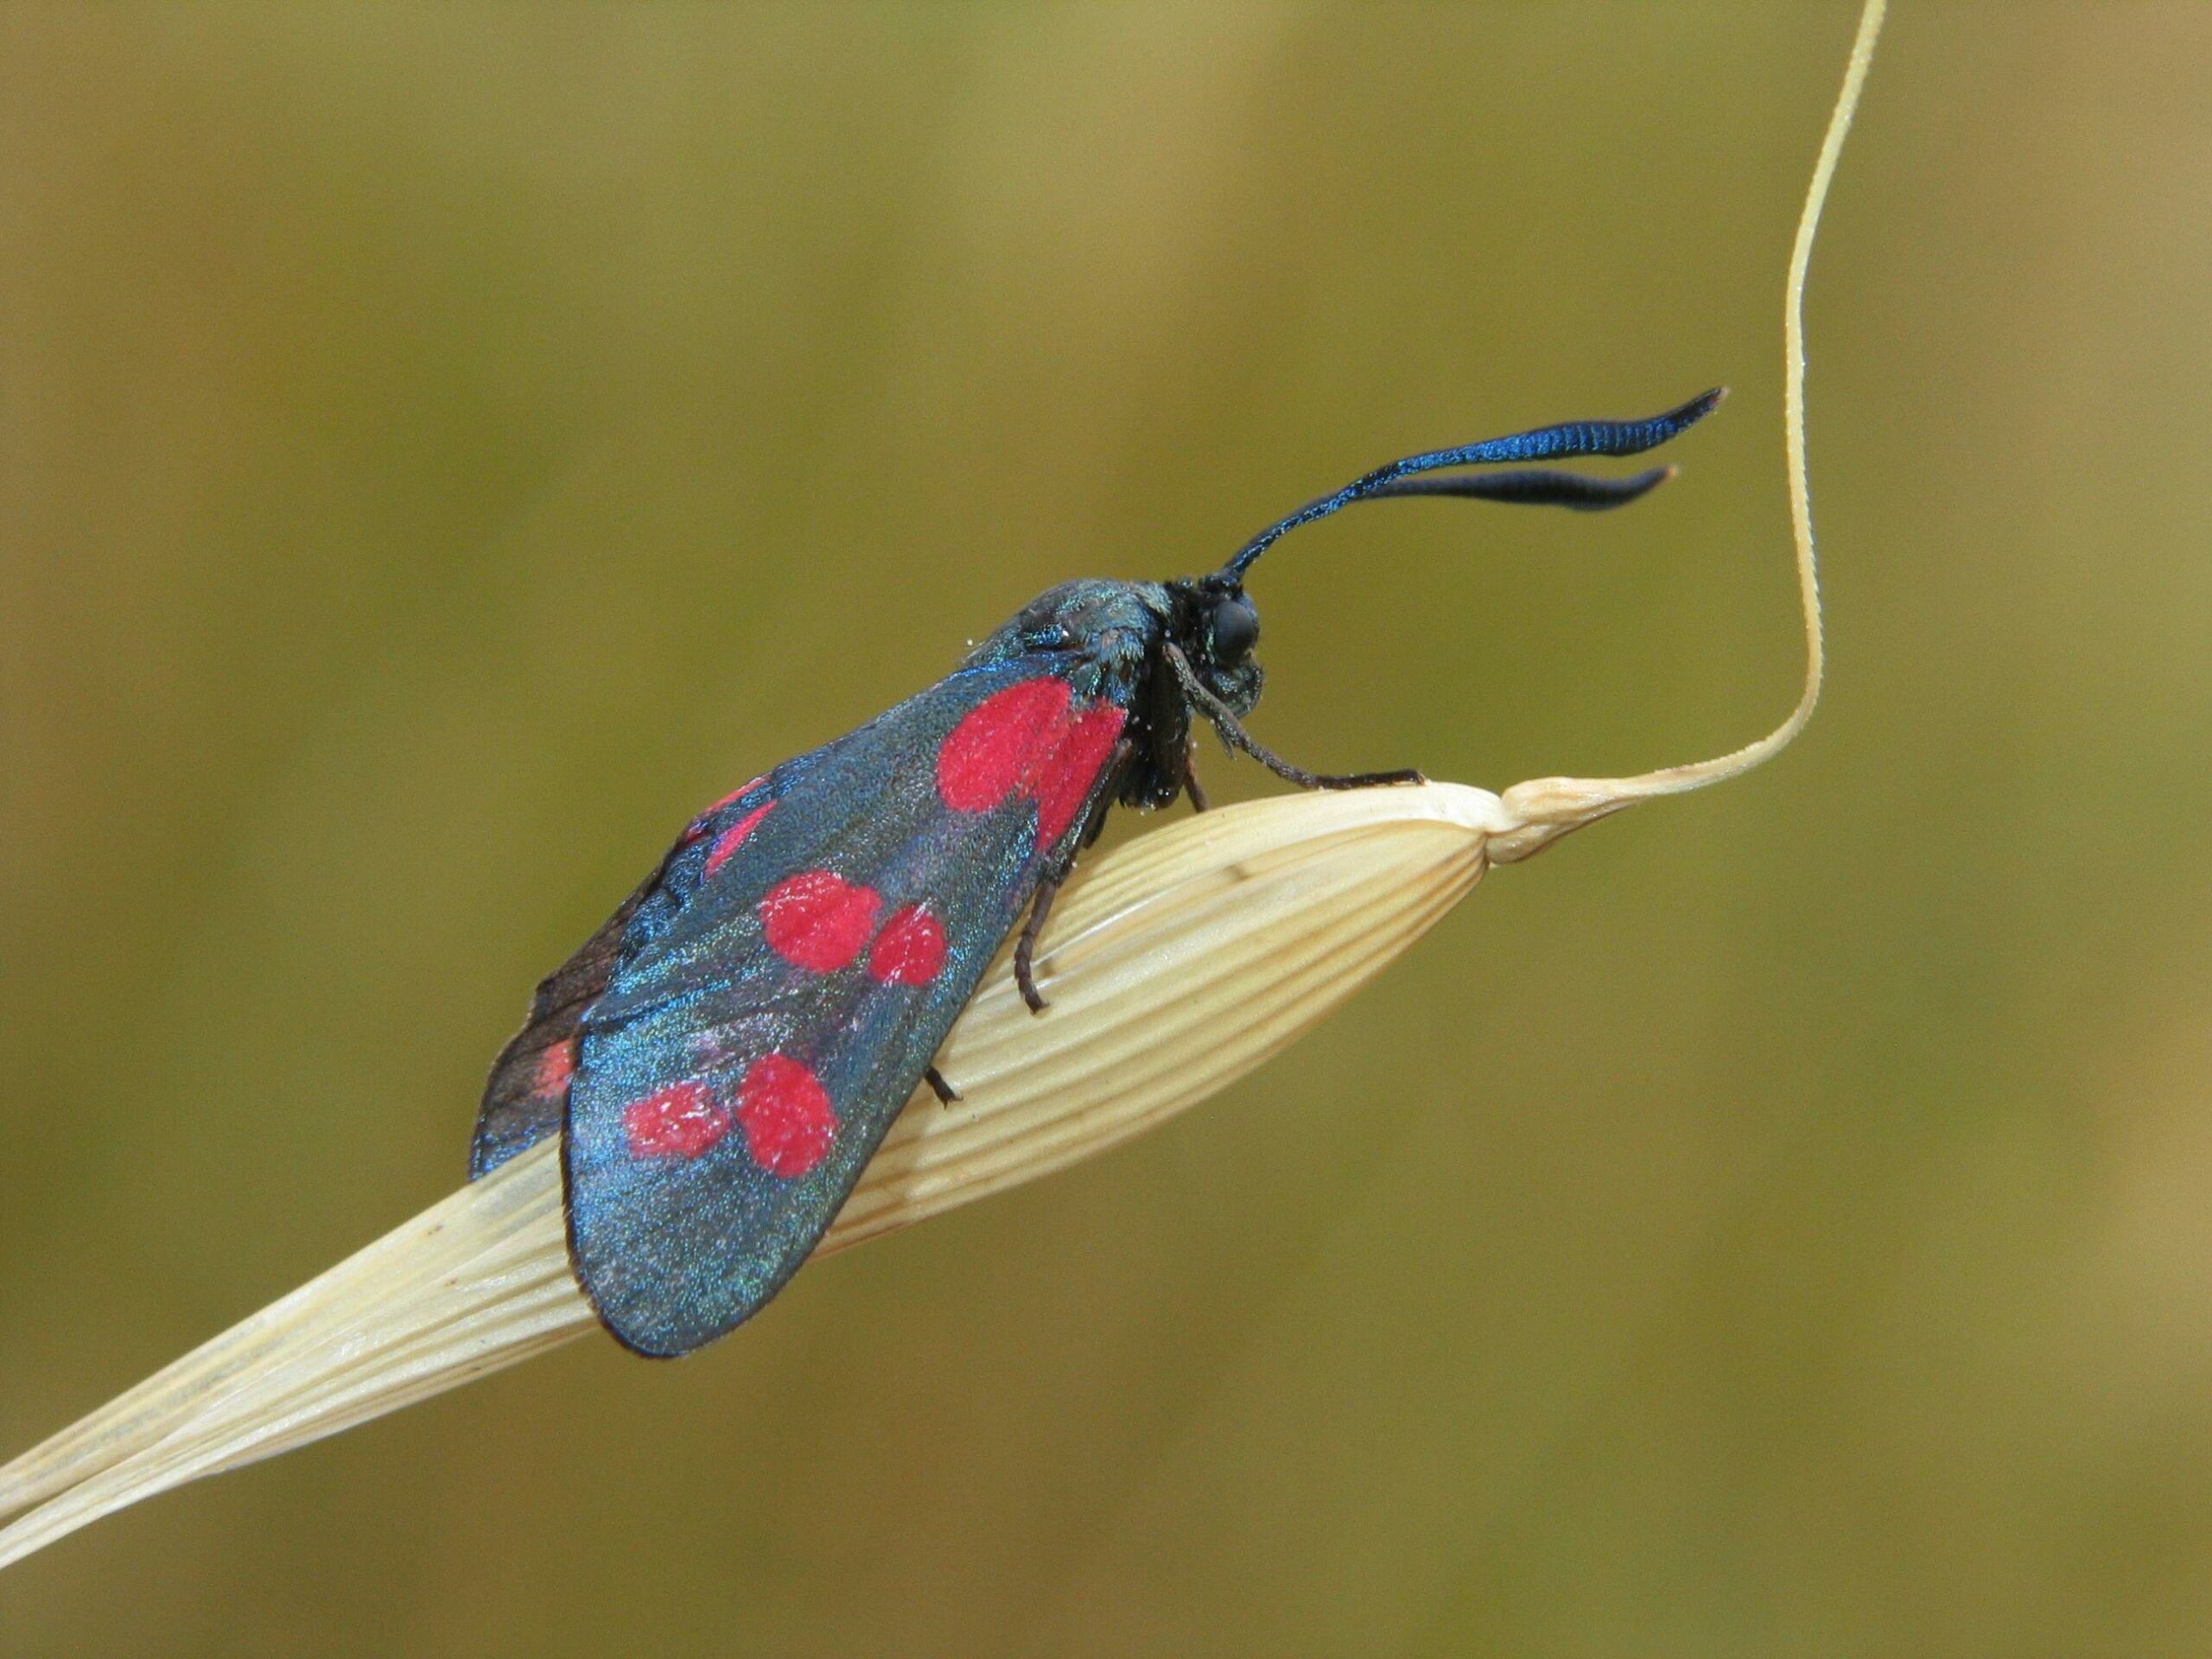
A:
(723, 1056)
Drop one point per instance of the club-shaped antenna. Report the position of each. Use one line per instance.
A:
(1405, 476)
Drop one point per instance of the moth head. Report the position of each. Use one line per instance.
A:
(1217, 628)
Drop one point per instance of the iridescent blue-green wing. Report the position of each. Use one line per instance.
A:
(778, 990)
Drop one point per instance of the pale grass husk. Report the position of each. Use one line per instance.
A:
(1181, 961)
(1177, 963)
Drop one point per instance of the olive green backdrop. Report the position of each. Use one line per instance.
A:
(440, 448)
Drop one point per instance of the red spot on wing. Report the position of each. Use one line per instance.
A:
(681, 1121)
(1073, 767)
(734, 837)
(736, 795)
(699, 824)
(911, 949)
(555, 1065)
(818, 921)
(993, 752)
(1026, 740)
(789, 1123)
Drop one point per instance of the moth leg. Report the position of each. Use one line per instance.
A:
(1049, 885)
(945, 1093)
(1104, 792)
(1191, 784)
(1048, 889)
(1233, 733)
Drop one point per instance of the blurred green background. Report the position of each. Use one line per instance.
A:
(442, 448)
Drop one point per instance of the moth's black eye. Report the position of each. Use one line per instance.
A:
(1233, 629)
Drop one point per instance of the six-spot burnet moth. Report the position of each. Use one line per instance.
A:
(724, 1055)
